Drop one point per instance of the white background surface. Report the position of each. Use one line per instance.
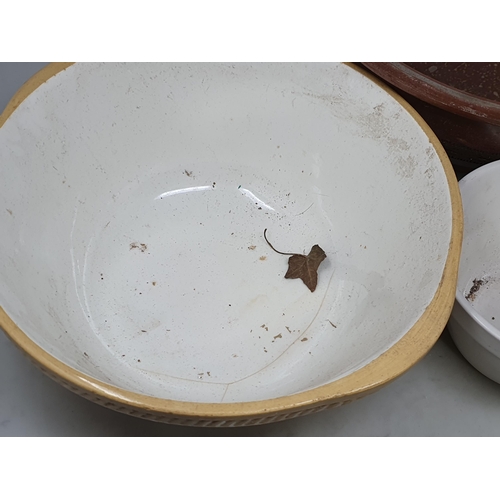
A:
(442, 395)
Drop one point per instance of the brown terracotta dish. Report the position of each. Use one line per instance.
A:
(460, 101)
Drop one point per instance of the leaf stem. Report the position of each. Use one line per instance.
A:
(277, 251)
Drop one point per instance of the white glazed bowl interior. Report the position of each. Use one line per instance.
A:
(476, 316)
(134, 200)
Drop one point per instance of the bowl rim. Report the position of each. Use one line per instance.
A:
(392, 363)
(459, 296)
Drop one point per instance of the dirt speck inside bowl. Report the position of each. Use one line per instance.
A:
(484, 297)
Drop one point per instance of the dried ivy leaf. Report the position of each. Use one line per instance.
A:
(304, 267)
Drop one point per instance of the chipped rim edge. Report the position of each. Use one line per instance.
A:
(399, 358)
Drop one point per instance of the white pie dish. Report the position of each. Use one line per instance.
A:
(475, 320)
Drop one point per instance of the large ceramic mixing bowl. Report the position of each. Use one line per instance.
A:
(133, 264)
